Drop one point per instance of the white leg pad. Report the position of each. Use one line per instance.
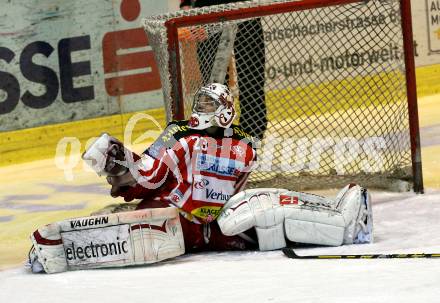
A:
(314, 233)
(278, 214)
(271, 238)
(314, 225)
(119, 239)
(255, 208)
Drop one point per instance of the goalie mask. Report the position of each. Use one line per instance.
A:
(213, 106)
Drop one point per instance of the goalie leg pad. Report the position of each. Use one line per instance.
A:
(254, 208)
(278, 214)
(355, 206)
(300, 217)
(314, 232)
(271, 238)
(313, 223)
(120, 239)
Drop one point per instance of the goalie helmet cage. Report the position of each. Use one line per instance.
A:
(333, 81)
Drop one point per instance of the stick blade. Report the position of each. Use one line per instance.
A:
(290, 252)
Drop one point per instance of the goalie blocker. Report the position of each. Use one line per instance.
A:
(278, 214)
(120, 239)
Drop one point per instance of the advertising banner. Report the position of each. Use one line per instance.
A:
(433, 22)
(62, 60)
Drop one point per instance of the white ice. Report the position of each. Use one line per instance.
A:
(403, 223)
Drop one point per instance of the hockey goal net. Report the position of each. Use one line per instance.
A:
(327, 85)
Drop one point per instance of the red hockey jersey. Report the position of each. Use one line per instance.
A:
(195, 170)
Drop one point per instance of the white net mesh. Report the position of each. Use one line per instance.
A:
(324, 88)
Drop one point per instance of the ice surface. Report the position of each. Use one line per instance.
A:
(403, 223)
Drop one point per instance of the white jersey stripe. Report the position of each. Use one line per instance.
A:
(187, 160)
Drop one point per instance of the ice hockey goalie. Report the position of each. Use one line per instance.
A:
(188, 187)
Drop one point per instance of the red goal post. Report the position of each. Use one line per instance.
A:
(330, 89)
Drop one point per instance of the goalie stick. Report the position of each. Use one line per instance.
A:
(290, 252)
